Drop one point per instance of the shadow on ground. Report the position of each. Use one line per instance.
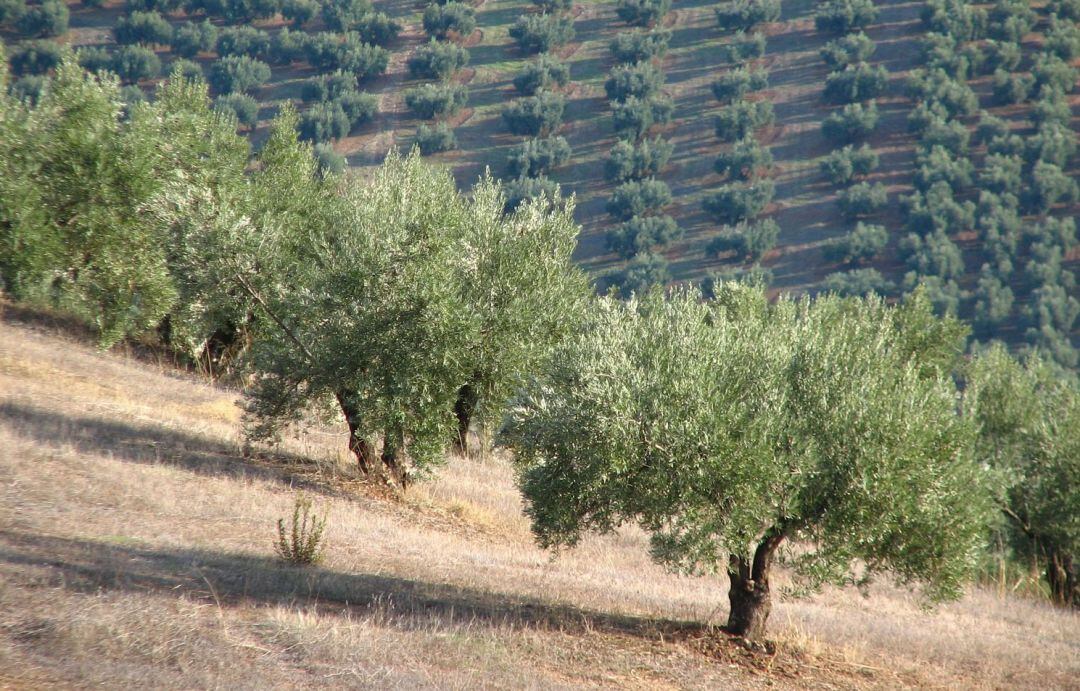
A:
(157, 444)
(231, 580)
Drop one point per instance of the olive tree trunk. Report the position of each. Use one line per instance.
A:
(749, 595)
(1062, 577)
(358, 445)
(393, 457)
(464, 409)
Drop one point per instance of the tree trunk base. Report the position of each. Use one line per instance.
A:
(750, 609)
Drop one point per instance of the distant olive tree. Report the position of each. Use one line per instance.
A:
(545, 72)
(627, 161)
(842, 16)
(433, 139)
(437, 60)
(745, 14)
(642, 12)
(539, 33)
(724, 429)
(739, 201)
(634, 117)
(457, 18)
(436, 100)
(636, 46)
(535, 157)
(641, 80)
(143, 27)
(862, 244)
(847, 50)
(1028, 420)
(847, 163)
(750, 240)
(535, 115)
(642, 234)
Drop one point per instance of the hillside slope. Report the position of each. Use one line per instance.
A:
(135, 551)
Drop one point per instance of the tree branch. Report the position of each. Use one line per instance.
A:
(277, 320)
(1019, 521)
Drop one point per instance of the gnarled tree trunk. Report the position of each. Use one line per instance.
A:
(393, 457)
(749, 594)
(358, 445)
(464, 409)
(1062, 578)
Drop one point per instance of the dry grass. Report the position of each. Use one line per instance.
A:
(136, 550)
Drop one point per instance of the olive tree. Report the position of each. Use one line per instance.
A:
(435, 138)
(534, 157)
(535, 115)
(641, 80)
(627, 161)
(745, 160)
(637, 198)
(437, 60)
(640, 274)
(745, 14)
(843, 165)
(455, 18)
(539, 33)
(738, 201)
(739, 82)
(847, 50)
(436, 100)
(852, 122)
(1028, 421)
(50, 18)
(642, 12)
(741, 118)
(862, 244)
(634, 117)
(543, 73)
(728, 430)
(379, 301)
(749, 240)
(238, 73)
(143, 27)
(642, 234)
(637, 46)
(190, 38)
(842, 16)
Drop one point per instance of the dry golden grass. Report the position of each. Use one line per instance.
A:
(136, 550)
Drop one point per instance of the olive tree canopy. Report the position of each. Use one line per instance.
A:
(729, 428)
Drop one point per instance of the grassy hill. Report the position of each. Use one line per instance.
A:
(136, 550)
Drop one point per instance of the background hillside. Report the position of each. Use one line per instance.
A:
(805, 202)
(136, 549)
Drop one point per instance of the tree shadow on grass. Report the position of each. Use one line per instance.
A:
(229, 580)
(156, 444)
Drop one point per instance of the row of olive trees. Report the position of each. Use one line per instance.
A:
(745, 163)
(401, 305)
(1022, 180)
(440, 59)
(537, 114)
(730, 429)
(634, 88)
(854, 83)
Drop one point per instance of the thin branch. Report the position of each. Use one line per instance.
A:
(277, 320)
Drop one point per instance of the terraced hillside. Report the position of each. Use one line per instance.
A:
(1026, 293)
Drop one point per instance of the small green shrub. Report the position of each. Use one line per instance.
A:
(301, 544)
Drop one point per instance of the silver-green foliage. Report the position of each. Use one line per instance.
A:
(719, 425)
(1028, 419)
(77, 176)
